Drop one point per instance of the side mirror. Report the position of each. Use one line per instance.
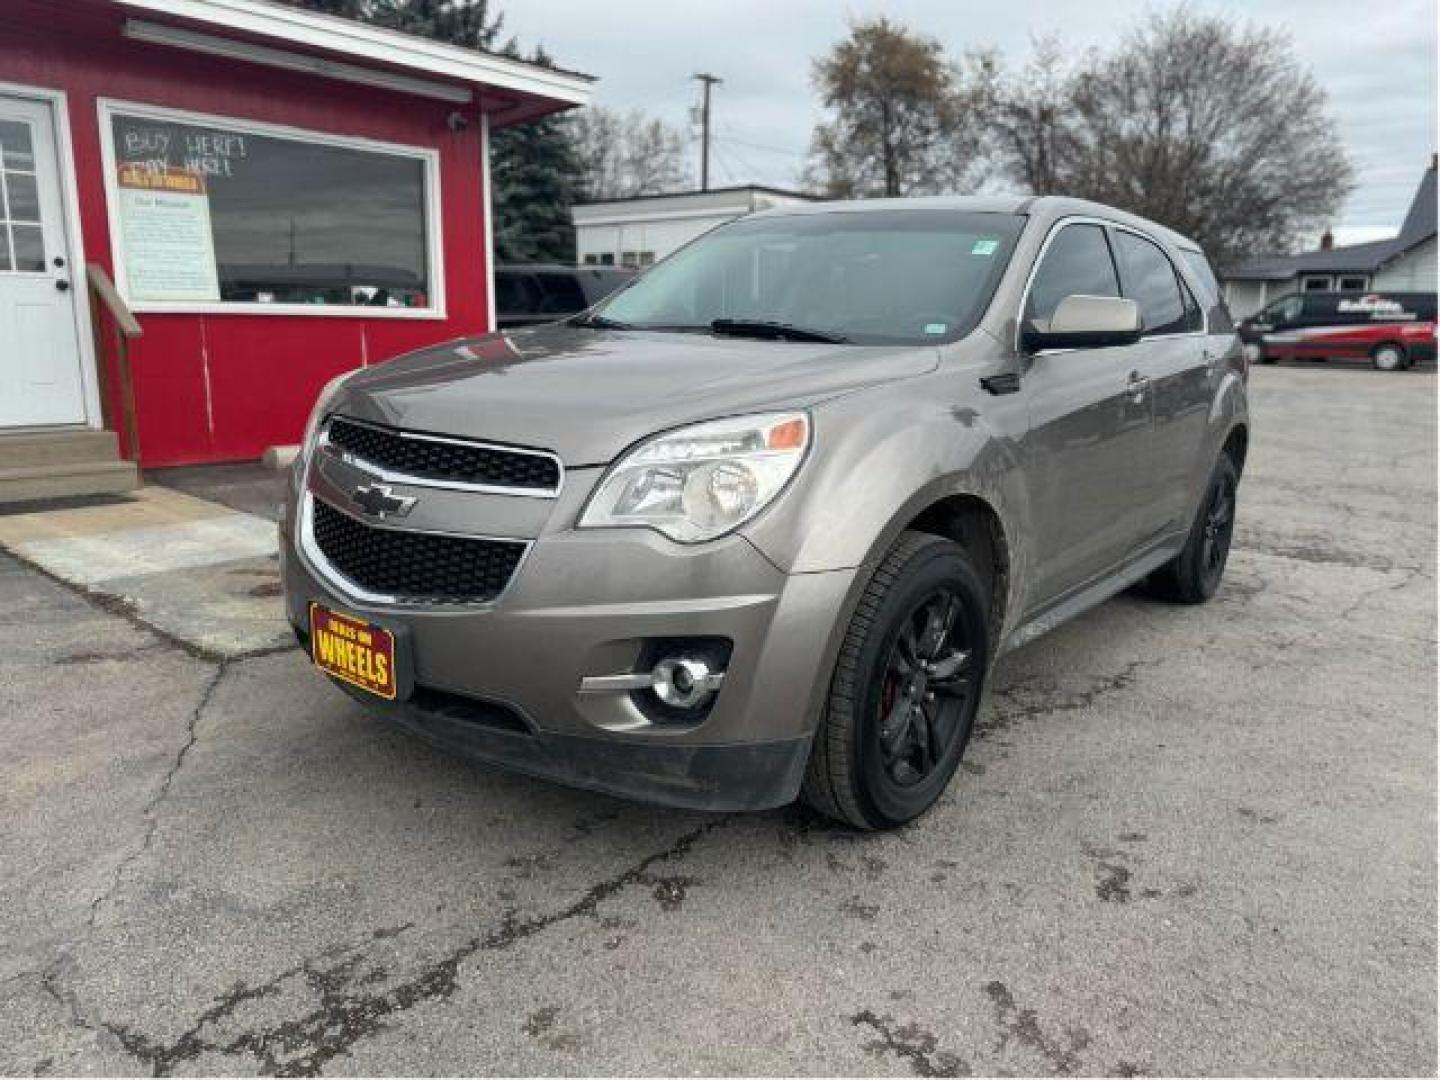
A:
(1085, 322)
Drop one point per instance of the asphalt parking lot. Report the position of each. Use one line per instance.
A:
(1186, 840)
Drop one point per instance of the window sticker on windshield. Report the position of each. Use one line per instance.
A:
(936, 327)
(984, 247)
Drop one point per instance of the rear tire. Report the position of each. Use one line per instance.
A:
(1389, 357)
(906, 688)
(1193, 576)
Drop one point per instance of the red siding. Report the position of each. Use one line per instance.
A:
(263, 370)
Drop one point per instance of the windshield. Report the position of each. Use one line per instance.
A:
(867, 277)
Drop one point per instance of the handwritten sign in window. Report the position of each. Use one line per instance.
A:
(273, 219)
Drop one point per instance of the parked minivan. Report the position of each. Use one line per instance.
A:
(1390, 329)
(758, 525)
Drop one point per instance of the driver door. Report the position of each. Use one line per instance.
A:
(1091, 427)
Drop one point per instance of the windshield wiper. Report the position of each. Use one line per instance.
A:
(767, 328)
(599, 322)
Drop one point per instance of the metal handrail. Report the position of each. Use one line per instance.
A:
(104, 294)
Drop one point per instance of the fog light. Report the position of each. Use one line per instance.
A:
(684, 683)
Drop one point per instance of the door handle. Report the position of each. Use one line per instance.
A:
(62, 285)
(1136, 386)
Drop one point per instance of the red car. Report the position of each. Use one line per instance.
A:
(1389, 346)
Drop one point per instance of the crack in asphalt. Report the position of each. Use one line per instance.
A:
(149, 812)
(911, 1043)
(1023, 1026)
(345, 1012)
(1323, 556)
(1015, 706)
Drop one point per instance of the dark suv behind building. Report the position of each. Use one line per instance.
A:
(530, 293)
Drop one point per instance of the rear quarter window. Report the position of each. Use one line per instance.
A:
(1212, 296)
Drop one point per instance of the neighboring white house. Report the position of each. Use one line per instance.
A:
(1403, 263)
(639, 230)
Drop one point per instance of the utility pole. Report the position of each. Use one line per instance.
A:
(707, 81)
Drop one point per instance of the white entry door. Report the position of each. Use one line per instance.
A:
(40, 375)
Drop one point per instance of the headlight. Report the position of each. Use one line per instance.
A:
(312, 425)
(702, 481)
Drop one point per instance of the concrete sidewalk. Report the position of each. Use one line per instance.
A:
(197, 572)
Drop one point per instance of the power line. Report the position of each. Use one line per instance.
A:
(792, 153)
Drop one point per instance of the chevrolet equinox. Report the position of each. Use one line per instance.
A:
(757, 525)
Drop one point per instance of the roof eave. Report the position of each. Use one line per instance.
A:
(363, 44)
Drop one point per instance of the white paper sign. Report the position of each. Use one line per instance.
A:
(165, 234)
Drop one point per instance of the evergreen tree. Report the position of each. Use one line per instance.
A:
(535, 177)
(534, 173)
(534, 180)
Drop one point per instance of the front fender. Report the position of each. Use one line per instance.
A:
(882, 457)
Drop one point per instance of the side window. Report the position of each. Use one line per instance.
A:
(1076, 262)
(1194, 319)
(515, 294)
(560, 294)
(1151, 282)
(1288, 310)
(1220, 319)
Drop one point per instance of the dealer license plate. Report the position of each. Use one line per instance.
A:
(354, 650)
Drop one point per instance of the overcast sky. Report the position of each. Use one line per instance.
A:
(1376, 58)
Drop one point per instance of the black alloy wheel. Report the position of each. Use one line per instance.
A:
(1219, 527)
(906, 688)
(927, 683)
(1193, 576)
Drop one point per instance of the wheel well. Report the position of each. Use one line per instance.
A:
(1236, 445)
(973, 524)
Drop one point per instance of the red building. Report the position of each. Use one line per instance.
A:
(277, 195)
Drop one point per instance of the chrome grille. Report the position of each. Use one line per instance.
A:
(414, 567)
(441, 460)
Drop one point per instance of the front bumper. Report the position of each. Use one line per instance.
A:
(500, 682)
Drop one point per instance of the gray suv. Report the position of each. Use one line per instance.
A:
(757, 525)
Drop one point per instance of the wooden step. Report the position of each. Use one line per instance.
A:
(31, 482)
(71, 447)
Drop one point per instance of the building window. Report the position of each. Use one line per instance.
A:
(211, 214)
(1316, 284)
(1354, 284)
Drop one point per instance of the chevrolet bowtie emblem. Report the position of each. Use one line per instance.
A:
(381, 501)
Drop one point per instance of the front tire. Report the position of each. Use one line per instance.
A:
(1193, 576)
(906, 687)
(1389, 357)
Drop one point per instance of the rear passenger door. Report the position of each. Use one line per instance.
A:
(1089, 425)
(1174, 360)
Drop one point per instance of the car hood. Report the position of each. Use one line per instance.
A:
(588, 394)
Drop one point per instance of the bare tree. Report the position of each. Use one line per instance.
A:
(626, 154)
(1031, 115)
(903, 119)
(1207, 125)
